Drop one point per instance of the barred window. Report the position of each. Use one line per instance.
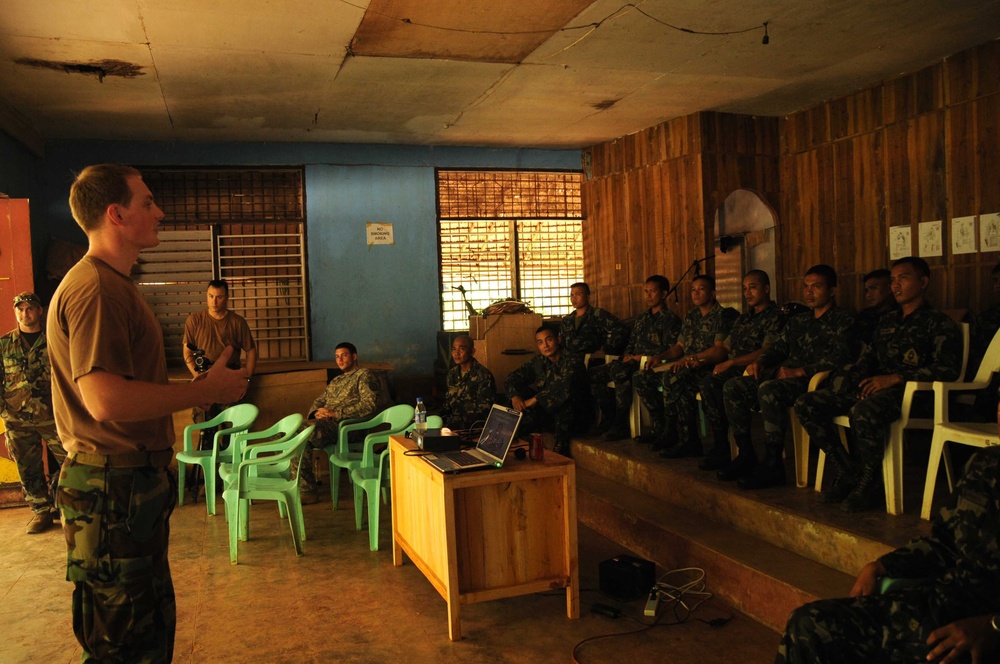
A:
(244, 225)
(508, 234)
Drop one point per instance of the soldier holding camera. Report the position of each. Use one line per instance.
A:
(208, 332)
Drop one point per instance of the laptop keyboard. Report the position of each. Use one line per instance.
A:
(463, 459)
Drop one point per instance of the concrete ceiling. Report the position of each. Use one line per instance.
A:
(556, 74)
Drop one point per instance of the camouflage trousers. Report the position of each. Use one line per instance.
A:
(562, 422)
(24, 443)
(774, 397)
(870, 418)
(886, 628)
(619, 372)
(712, 401)
(677, 399)
(116, 523)
(326, 434)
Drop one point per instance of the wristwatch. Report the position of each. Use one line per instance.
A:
(995, 622)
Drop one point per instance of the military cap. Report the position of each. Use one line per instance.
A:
(29, 297)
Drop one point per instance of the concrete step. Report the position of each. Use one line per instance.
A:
(760, 579)
(767, 552)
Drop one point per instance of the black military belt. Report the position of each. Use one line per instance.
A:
(157, 459)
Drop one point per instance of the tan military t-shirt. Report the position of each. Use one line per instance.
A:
(98, 320)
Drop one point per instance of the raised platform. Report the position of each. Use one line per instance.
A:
(766, 552)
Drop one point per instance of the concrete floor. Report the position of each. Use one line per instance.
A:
(343, 603)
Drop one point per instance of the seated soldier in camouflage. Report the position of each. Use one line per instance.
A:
(551, 391)
(654, 331)
(351, 395)
(749, 336)
(952, 612)
(818, 340)
(915, 342)
(472, 389)
(878, 302)
(589, 329)
(698, 348)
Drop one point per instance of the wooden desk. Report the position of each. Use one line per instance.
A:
(487, 534)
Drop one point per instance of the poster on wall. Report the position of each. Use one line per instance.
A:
(963, 235)
(930, 238)
(989, 232)
(899, 242)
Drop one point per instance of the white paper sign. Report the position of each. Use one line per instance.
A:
(963, 235)
(900, 245)
(930, 238)
(379, 232)
(989, 232)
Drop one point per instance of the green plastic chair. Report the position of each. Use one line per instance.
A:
(368, 479)
(260, 477)
(239, 418)
(280, 431)
(342, 456)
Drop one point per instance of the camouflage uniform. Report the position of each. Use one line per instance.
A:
(116, 522)
(353, 395)
(561, 390)
(652, 334)
(960, 562)
(596, 329)
(924, 346)
(750, 332)
(866, 320)
(806, 342)
(470, 396)
(698, 332)
(27, 415)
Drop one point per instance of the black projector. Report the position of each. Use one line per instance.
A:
(626, 577)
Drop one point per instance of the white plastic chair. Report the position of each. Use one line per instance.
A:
(974, 434)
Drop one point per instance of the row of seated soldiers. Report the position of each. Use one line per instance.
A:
(760, 360)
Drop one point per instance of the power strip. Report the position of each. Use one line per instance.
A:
(652, 603)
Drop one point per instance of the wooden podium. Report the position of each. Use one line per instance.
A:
(504, 342)
(486, 534)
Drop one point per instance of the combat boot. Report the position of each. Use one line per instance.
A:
(620, 429)
(744, 463)
(659, 426)
(844, 478)
(868, 493)
(769, 472)
(688, 443)
(718, 456)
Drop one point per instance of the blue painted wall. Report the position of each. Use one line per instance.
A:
(382, 298)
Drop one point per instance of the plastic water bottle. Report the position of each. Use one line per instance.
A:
(420, 416)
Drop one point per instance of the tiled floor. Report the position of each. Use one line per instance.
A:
(343, 603)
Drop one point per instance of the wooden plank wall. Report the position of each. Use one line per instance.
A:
(650, 200)
(921, 147)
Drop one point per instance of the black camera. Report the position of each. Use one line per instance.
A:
(201, 363)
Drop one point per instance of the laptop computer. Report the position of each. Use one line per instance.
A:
(490, 451)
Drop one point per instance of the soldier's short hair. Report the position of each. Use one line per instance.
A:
(660, 281)
(706, 278)
(549, 327)
(880, 273)
(919, 265)
(465, 337)
(761, 276)
(348, 345)
(996, 269)
(221, 284)
(581, 284)
(95, 188)
(828, 273)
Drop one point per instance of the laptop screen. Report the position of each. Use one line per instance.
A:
(498, 431)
